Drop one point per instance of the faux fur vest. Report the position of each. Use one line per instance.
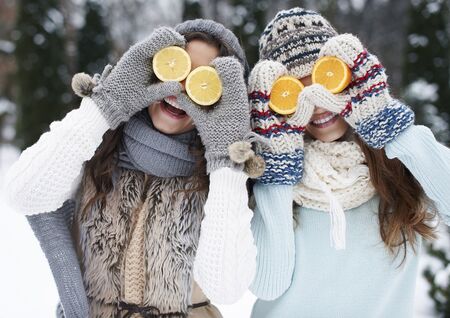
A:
(171, 228)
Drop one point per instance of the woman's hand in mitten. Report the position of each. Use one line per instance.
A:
(281, 143)
(125, 89)
(366, 103)
(225, 122)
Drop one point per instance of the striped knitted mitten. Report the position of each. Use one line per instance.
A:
(282, 136)
(366, 104)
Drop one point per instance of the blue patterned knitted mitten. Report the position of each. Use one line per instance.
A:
(282, 148)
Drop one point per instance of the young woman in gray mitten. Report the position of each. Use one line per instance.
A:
(142, 177)
(361, 180)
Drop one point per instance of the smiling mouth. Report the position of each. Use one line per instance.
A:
(170, 106)
(324, 120)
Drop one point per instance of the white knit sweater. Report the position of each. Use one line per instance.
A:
(49, 172)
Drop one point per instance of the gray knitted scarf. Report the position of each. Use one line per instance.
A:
(145, 149)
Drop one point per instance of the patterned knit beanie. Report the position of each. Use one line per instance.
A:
(219, 32)
(294, 38)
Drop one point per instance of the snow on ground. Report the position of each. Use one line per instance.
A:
(27, 287)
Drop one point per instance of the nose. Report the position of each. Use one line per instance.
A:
(306, 81)
(319, 110)
(183, 85)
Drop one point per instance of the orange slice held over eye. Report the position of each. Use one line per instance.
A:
(284, 95)
(171, 64)
(203, 85)
(332, 73)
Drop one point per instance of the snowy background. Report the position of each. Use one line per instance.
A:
(44, 42)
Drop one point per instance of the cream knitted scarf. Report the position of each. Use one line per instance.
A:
(335, 178)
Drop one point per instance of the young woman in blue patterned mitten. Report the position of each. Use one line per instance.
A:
(351, 185)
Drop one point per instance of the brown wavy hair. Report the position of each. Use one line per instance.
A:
(102, 165)
(404, 210)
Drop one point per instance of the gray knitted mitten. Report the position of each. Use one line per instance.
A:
(124, 90)
(52, 231)
(227, 121)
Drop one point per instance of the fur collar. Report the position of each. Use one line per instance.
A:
(171, 229)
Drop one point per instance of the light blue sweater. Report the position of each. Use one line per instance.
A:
(311, 279)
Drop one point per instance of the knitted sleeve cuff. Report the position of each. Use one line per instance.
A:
(215, 162)
(106, 103)
(226, 255)
(384, 126)
(272, 227)
(286, 168)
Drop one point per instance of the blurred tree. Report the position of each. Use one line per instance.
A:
(192, 10)
(133, 20)
(248, 21)
(439, 282)
(93, 40)
(42, 77)
(427, 65)
(426, 80)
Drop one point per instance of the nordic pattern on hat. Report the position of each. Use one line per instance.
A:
(294, 38)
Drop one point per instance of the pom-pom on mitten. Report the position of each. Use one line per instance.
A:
(82, 84)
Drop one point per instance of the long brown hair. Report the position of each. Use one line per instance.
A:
(404, 210)
(101, 166)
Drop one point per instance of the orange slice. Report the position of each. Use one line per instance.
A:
(332, 73)
(171, 64)
(204, 86)
(284, 94)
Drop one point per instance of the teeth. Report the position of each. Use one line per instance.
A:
(323, 120)
(172, 101)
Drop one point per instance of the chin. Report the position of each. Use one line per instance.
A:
(168, 129)
(166, 123)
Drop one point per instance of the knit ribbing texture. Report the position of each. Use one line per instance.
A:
(52, 231)
(145, 149)
(282, 148)
(225, 122)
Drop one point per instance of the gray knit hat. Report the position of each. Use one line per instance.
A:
(294, 38)
(219, 32)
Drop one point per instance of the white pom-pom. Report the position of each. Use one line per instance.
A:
(82, 84)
